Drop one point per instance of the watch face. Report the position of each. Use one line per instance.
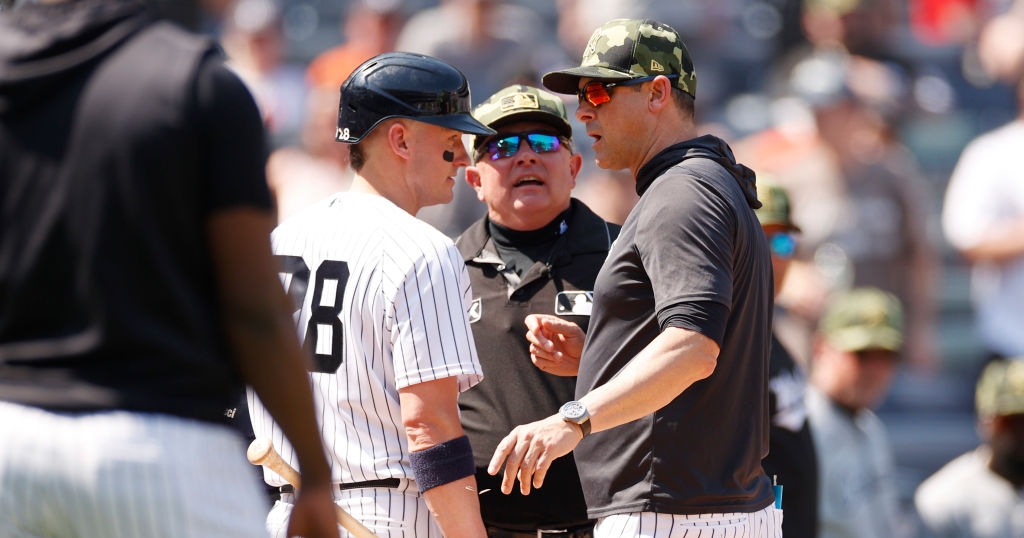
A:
(574, 411)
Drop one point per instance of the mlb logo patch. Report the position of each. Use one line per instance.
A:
(475, 311)
(519, 100)
(574, 303)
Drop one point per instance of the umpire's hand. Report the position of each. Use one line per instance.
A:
(555, 344)
(528, 451)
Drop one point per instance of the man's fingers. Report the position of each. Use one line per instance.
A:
(533, 468)
(508, 479)
(543, 464)
(524, 476)
(539, 340)
(511, 451)
(545, 360)
(500, 453)
(542, 329)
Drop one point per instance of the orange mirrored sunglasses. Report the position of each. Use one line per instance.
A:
(596, 92)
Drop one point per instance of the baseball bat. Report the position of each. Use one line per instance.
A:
(261, 452)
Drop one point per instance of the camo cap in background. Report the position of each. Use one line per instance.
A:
(863, 318)
(522, 103)
(622, 49)
(775, 209)
(1000, 389)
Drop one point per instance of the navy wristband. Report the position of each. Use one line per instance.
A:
(443, 463)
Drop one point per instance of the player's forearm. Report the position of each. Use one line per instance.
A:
(430, 412)
(257, 322)
(274, 367)
(456, 506)
(672, 362)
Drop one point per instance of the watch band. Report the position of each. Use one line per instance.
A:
(585, 427)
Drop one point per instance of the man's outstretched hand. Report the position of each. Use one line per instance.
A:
(527, 452)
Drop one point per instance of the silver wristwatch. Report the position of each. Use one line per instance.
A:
(576, 413)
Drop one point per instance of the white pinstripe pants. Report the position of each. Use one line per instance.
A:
(123, 475)
(765, 523)
(387, 512)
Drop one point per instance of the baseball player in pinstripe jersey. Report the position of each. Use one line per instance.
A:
(384, 300)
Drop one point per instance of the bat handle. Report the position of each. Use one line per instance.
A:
(261, 452)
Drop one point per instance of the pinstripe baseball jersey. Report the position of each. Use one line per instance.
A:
(384, 300)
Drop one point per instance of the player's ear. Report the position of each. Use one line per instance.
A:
(473, 179)
(398, 139)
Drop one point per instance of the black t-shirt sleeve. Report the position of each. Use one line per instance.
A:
(233, 139)
(685, 241)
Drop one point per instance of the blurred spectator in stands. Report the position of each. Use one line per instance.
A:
(369, 27)
(857, 347)
(983, 212)
(862, 27)
(491, 41)
(980, 494)
(791, 455)
(864, 207)
(302, 174)
(610, 193)
(252, 38)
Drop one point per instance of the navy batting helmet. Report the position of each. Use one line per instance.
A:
(404, 85)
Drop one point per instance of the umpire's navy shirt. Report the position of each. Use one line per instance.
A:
(691, 254)
(514, 391)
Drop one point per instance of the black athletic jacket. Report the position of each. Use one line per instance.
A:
(119, 137)
(691, 254)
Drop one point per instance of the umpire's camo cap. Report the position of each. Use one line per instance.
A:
(863, 318)
(775, 209)
(1000, 389)
(522, 103)
(629, 48)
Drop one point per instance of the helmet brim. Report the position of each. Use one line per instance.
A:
(460, 122)
(567, 81)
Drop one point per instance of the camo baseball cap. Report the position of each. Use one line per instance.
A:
(774, 208)
(622, 49)
(522, 103)
(863, 318)
(1000, 389)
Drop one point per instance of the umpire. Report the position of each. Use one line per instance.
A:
(537, 250)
